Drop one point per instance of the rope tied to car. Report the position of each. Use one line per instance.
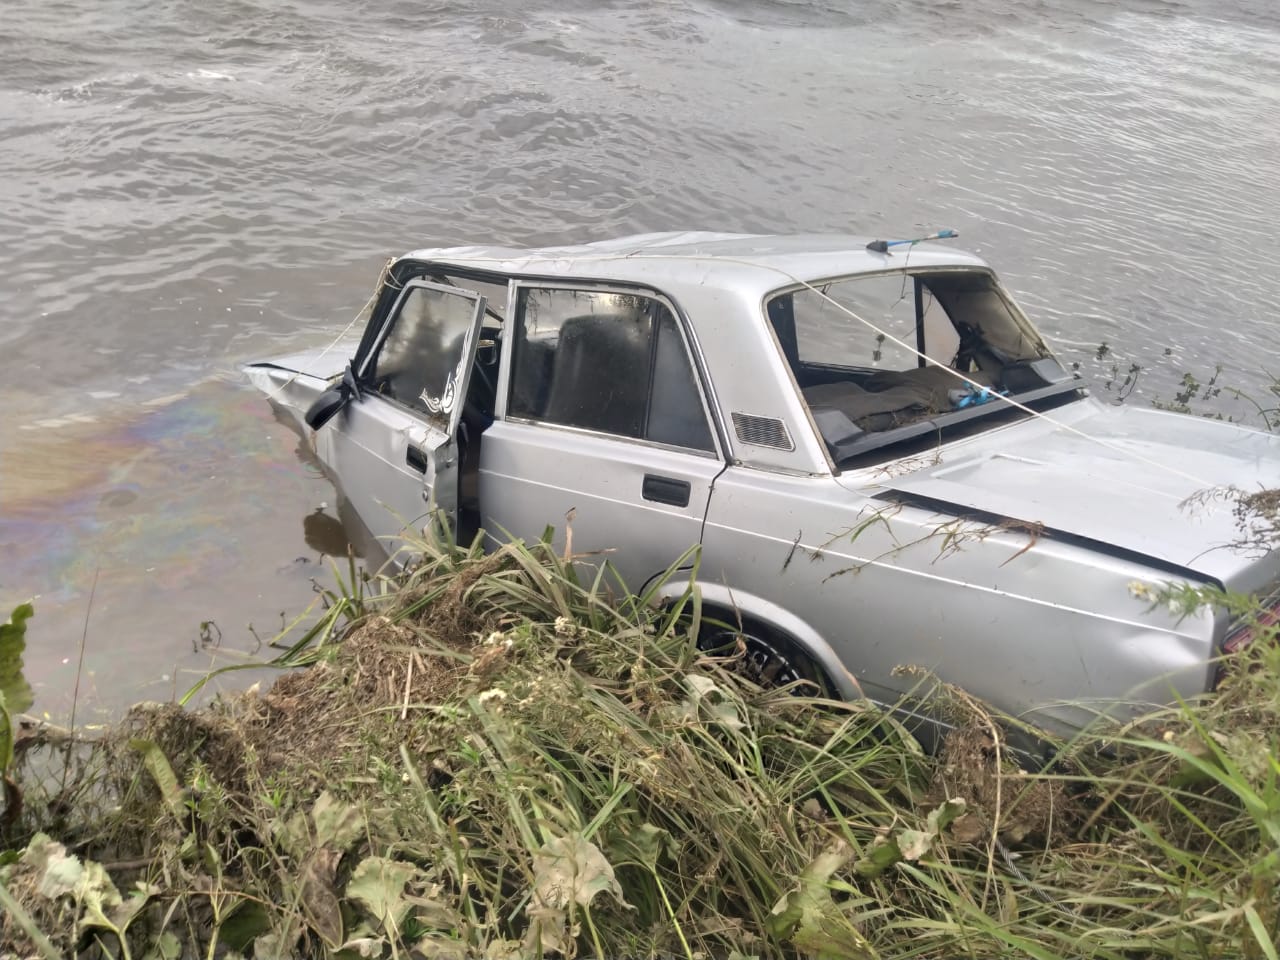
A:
(362, 315)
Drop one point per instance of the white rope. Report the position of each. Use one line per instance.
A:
(1114, 447)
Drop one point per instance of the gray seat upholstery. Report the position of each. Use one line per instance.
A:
(600, 377)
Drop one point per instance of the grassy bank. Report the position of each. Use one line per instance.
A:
(499, 761)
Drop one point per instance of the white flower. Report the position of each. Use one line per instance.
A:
(565, 627)
(1142, 591)
(494, 694)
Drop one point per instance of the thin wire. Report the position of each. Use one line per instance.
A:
(755, 264)
(75, 693)
(377, 289)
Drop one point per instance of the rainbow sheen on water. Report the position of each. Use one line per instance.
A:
(200, 499)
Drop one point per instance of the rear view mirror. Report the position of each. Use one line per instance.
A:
(332, 400)
(326, 406)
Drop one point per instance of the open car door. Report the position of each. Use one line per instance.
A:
(395, 448)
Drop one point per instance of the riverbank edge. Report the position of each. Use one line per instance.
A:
(497, 759)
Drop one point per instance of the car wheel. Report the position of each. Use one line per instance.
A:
(761, 657)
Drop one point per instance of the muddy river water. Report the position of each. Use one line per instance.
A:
(186, 186)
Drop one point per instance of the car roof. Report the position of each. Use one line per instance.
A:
(735, 261)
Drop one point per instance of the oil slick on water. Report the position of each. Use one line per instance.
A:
(188, 511)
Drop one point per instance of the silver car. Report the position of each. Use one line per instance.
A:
(878, 454)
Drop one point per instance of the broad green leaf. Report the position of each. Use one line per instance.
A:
(378, 883)
(878, 859)
(245, 921)
(167, 947)
(572, 870)
(338, 824)
(98, 898)
(122, 915)
(941, 818)
(166, 780)
(909, 844)
(649, 842)
(812, 920)
(293, 834)
(13, 685)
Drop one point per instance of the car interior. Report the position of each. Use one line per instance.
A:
(865, 391)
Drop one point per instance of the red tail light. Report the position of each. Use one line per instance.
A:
(1243, 634)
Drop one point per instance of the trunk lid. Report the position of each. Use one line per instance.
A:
(1147, 489)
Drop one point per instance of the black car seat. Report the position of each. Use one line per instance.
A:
(599, 380)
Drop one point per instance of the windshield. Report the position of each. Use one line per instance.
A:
(886, 357)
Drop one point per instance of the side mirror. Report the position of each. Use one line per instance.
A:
(326, 406)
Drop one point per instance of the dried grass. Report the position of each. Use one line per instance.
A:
(505, 762)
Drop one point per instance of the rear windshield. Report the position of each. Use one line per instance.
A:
(879, 358)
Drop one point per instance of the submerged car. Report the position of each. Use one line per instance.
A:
(880, 458)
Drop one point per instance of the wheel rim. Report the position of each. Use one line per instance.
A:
(760, 661)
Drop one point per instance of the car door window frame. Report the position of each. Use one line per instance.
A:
(478, 301)
(692, 354)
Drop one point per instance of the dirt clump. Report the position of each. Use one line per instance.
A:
(1022, 809)
(311, 720)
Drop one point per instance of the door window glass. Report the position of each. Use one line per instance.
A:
(676, 416)
(421, 360)
(609, 362)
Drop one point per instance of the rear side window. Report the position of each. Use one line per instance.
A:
(609, 362)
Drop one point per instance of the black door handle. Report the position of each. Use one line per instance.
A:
(416, 458)
(665, 490)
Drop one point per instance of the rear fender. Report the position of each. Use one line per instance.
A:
(728, 604)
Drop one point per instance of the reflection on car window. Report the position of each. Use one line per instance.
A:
(420, 362)
(826, 334)
(609, 362)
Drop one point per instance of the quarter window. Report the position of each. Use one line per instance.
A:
(610, 362)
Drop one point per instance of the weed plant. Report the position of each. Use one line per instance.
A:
(506, 758)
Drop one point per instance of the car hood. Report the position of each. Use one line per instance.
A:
(293, 382)
(323, 363)
(1140, 482)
